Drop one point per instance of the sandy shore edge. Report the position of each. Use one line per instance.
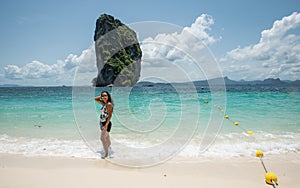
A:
(22, 171)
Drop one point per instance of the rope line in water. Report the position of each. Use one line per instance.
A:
(237, 125)
(228, 118)
(270, 177)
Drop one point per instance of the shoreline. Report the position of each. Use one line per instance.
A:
(23, 171)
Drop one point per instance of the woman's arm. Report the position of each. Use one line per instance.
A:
(98, 99)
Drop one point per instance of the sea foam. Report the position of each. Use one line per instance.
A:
(225, 146)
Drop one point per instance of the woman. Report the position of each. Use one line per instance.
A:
(105, 125)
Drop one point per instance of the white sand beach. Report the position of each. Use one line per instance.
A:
(21, 171)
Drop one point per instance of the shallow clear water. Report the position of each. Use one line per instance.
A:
(51, 121)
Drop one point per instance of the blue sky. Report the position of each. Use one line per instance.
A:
(48, 34)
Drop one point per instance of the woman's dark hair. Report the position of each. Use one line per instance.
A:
(109, 97)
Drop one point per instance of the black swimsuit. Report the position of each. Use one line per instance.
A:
(108, 127)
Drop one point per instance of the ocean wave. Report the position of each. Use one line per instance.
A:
(240, 144)
(225, 146)
(45, 147)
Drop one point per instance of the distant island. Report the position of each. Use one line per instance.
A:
(270, 84)
(9, 85)
(268, 81)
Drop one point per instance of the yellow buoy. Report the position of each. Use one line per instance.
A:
(249, 132)
(236, 123)
(271, 178)
(259, 153)
(227, 117)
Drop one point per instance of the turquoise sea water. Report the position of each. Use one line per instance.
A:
(51, 121)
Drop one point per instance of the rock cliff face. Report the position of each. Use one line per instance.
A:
(118, 53)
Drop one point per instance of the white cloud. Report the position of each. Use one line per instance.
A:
(62, 72)
(33, 70)
(183, 55)
(201, 27)
(277, 54)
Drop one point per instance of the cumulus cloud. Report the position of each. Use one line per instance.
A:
(184, 51)
(201, 27)
(277, 54)
(62, 72)
(185, 40)
(33, 70)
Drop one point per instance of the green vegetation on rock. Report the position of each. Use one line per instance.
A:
(118, 53)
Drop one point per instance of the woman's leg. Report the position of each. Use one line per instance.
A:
(108, 140)
(104, 142)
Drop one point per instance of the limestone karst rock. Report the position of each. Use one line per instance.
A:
(118, 53)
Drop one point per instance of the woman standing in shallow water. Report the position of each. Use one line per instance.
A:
(105, 125)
